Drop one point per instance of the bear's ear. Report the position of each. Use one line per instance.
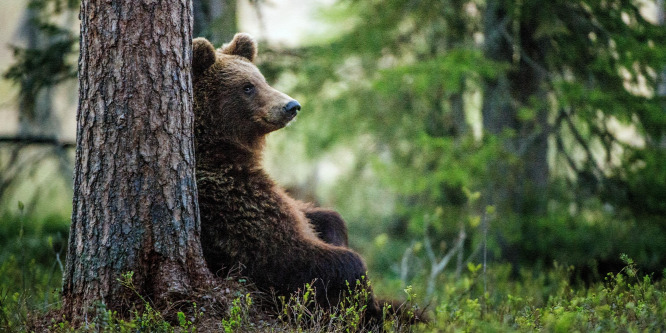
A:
(203, 55)
(242, 45)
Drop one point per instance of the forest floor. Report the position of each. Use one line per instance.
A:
(31, 259)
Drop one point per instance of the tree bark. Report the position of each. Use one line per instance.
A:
(522, 186)
(497, 111)
(135, 199)
(528, 84)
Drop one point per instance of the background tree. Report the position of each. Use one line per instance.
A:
(42, 61)
(134, 188)
(547, 110)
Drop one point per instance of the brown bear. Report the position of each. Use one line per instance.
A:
(247, 220)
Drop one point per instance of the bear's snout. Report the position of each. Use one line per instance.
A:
(292, 108)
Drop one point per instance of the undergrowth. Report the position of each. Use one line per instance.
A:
(625, 301)
(546, 300)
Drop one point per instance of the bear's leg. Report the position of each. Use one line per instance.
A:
(329, 225)
(343, 274)
(335, 273)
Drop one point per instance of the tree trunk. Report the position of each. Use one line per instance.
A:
(528, 87)
(497, 110)
(135, 199)
(525, 187)
(215, 20)
(661, 15)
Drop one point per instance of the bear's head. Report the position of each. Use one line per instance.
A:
(234, 106)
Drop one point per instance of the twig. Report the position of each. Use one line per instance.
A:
(404, 264)
(531, 62)
(19, 161)
(474, 253)
(484, 224)
(459, 260)
(438, 266)
(43, 140)
(581, 141)
(570, 161)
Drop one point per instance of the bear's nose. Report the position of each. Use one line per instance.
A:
(292, 108)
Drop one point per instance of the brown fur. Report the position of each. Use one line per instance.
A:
(280, 243)
(328, 224)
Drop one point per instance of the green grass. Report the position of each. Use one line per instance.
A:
(31, 254)
(626, 301)
(31, 263)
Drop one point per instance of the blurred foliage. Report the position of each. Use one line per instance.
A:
(32, 253)
(529, 131)
(526, 104)
(34, 163)
(215, 20)
(547, 109)
(47, 59)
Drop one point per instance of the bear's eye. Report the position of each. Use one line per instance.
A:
(248, 89)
